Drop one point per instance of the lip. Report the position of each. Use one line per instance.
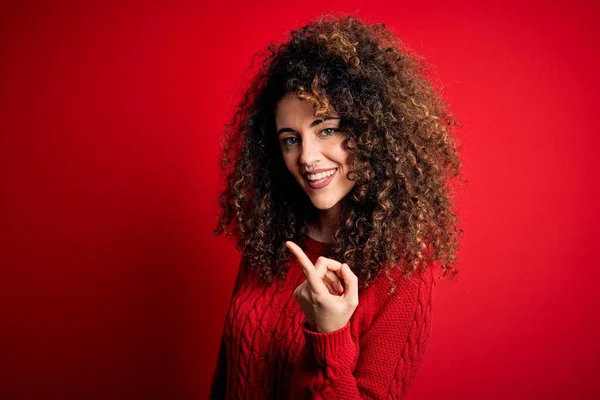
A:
(316, 171)
(326, 182)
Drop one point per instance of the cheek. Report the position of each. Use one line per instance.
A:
(341, 157)
(337, 153)
(343, 161)
(290, 162)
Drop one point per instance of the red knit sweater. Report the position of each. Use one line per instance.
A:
(268, 351)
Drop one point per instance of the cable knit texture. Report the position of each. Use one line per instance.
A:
(268, 351)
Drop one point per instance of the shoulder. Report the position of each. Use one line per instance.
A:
(394, 281)
(396, 295)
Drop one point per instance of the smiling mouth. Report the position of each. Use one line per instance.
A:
(320, 180)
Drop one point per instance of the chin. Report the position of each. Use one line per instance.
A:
(323, 207)
(326, 198)
(324, 204)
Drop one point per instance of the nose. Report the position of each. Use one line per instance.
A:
(311, 153)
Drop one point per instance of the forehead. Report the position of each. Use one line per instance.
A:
(290, 110)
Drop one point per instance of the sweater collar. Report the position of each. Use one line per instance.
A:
(316, 247)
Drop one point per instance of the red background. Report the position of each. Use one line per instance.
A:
(112, 285)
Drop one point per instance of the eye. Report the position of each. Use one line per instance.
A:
(329, 131)
(288, 141)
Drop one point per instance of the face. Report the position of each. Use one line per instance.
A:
(306, 140)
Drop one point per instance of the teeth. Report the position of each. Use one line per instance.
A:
(321, 175)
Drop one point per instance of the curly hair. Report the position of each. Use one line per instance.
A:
(400, 149)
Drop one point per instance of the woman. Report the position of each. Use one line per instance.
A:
(337, 164)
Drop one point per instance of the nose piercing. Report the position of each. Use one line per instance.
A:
(310, 168)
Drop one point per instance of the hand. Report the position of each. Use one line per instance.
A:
(324, 310)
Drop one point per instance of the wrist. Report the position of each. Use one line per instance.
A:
(336, 346)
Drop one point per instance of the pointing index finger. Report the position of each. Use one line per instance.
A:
(307, 266)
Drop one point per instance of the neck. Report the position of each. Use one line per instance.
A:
(323, 229)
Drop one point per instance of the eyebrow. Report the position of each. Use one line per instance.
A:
(312, 125)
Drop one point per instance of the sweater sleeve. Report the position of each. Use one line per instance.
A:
(383, 361)
(218, 388)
